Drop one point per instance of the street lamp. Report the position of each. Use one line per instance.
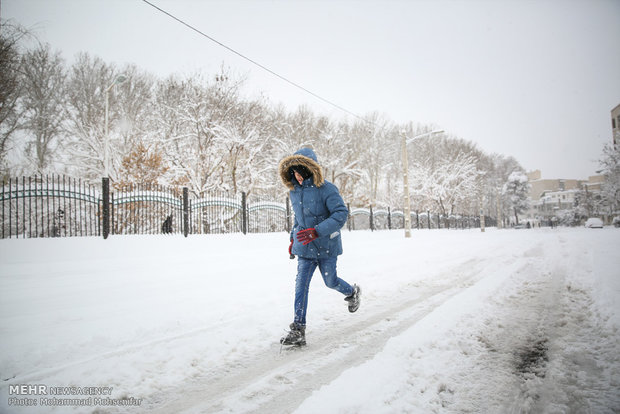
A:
(106, 168)
(406, 141)
(482, 219)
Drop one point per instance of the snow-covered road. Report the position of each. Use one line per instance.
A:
(451, 321)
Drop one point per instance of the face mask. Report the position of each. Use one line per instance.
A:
(303, 171)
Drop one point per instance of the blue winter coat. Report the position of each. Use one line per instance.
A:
(317, 204)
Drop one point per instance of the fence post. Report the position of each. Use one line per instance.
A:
(349, 216)
(111, 214)
(389, 219)
(244, 213)
(3, 198)
(288, 214)
(371, 220)
(185, 211)
(105, 185)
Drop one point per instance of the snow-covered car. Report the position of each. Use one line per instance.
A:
(616, 221)
(594, 223)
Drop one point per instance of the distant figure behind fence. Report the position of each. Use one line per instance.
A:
(59, 223)
(166, 227)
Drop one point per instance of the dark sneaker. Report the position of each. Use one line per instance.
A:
(354, 299)
(296, 336)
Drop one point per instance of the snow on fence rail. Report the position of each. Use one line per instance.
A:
(217, 202)
(59, 206)
(146, 196)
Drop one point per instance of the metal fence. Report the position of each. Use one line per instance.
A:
(59, 206)
(224, 213)
(142, 209)
(362, 218)
(216, 213)
(45, 206)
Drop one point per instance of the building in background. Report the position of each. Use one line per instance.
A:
(615, 125)
(561, 198)
(539, 186)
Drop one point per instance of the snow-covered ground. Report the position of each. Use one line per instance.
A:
(451, 321)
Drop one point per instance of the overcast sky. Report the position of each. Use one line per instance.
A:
(532, 79)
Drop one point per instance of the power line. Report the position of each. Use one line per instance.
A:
(254, 62)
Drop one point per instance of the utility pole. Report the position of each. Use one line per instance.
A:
(407, 209)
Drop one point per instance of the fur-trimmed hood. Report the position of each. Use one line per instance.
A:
(305, 157)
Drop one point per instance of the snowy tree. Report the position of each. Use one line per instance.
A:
(142, 166)
(131, 126)
(517, 190)
(282, 128)
(304, 127)
(10, 87)
(279, 145)
(243, 139)
(610, 167)
(166, 125)
(370, 144)
(88, 81)
(43, 91)
(448, 182)
(337, 145)
(191, 115)
(390, 188)
(141, 170)
(498, 168)
(585, 204)
(444, 173)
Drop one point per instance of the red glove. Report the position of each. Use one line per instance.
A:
(307, 235)
(290, 248)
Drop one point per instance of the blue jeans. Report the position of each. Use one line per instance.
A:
(305, 270)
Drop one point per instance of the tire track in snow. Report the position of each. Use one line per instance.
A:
(274, 382)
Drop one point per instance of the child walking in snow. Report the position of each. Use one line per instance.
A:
(320, 213)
